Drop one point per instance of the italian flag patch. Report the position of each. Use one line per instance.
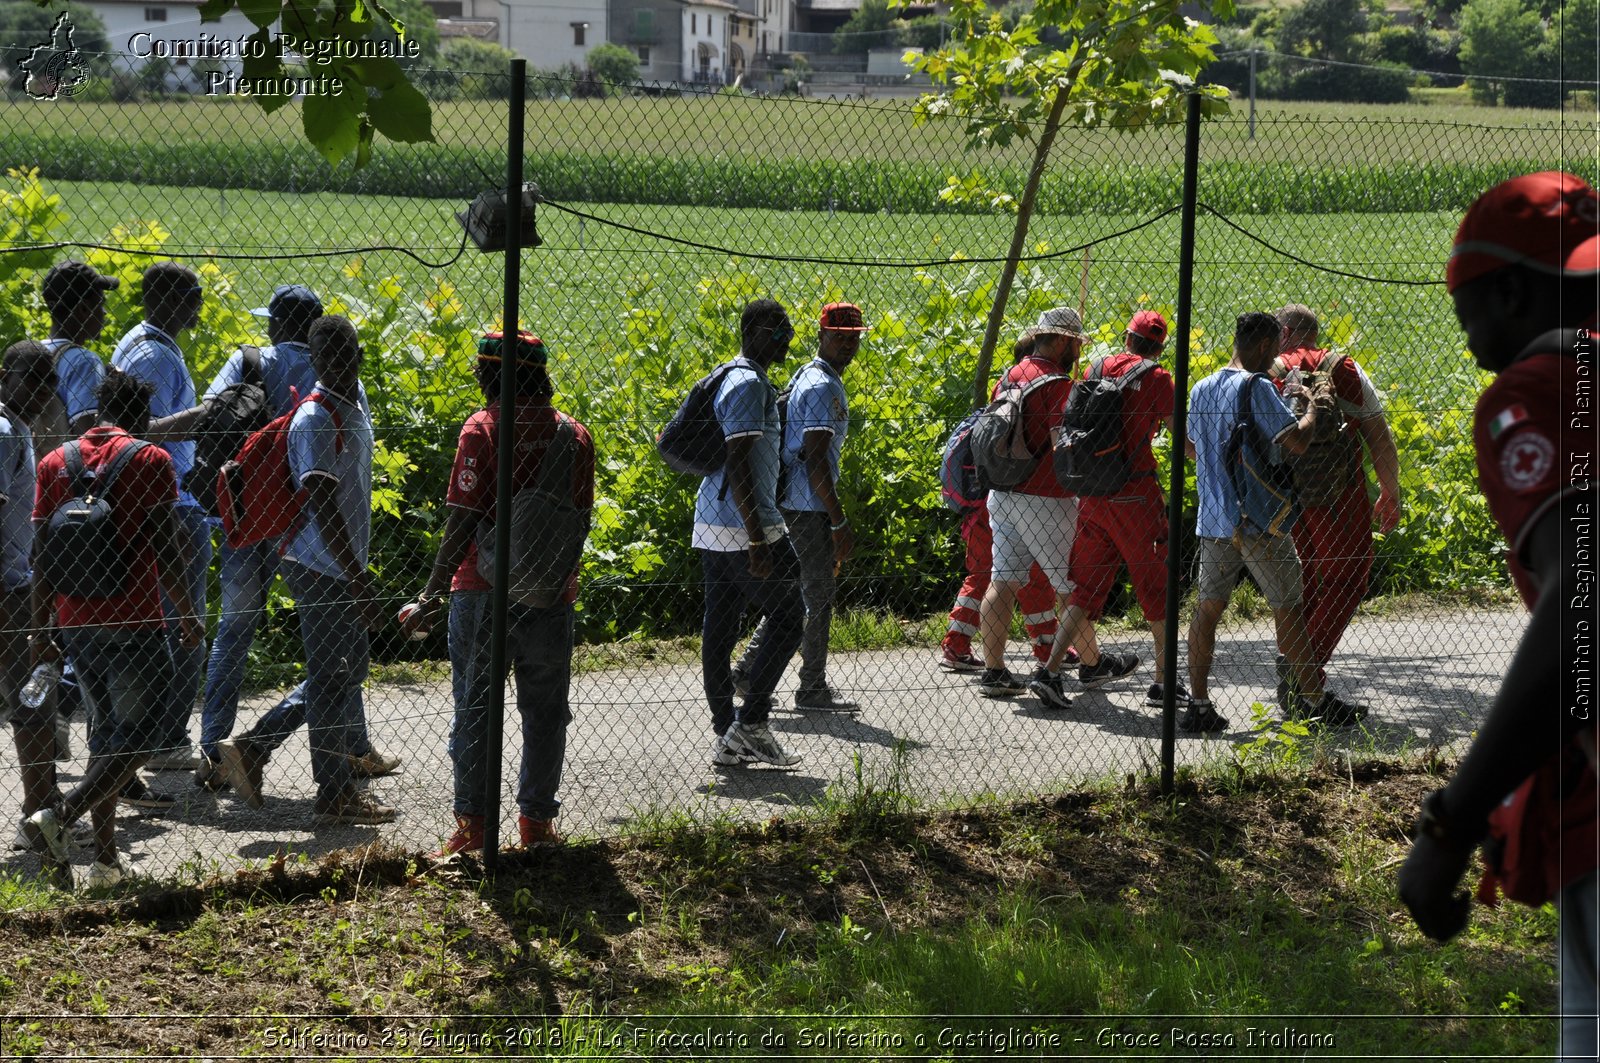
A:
(1507, 418)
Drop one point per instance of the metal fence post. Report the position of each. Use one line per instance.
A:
(501, 601)
(1252, 94)
(1180, 432)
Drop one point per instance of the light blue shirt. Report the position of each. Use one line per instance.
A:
(16, 501)
(79, 373)
(286, 370)
(1213, 404)
(746, 406)
(149, 354)
(816, 404)
(333, 439)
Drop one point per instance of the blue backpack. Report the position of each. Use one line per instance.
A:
(958, 474)
(1268, 504)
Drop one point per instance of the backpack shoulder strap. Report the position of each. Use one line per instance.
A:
(1038, 382)
(333, 411)
(72, 458)
(250, 359)
(1330, 360)
(555, 468)
(1144, 366)
(112, 469)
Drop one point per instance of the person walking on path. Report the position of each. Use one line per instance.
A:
(1525, 278)
(813, 440)
(746, 558)
(539, 638)
(1229, 543)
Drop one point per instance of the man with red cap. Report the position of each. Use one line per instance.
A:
(1525, 278)
(1129, 527)
(1333, 536)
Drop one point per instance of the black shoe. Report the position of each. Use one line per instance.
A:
(824, 699)
(1047, 688)
(1201, 718)
(137, 795)
(999, 683)
(1111, 666)
(1154, 696)
(1331, 711)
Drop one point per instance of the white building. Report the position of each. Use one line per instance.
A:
(142, 29)
(706, 29)
(547, 33)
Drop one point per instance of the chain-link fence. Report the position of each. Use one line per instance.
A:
(661, 217)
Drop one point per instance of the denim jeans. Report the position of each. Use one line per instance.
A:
(173, 730)
(126, 677)
(730, 589)
(812, 537)
(1579, 946)
(335, 639)
(539, 647)
(245, 576)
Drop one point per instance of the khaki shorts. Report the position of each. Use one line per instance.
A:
(1270, 559)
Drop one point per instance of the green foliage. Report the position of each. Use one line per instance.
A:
(469, 69)
(614, 65)
(1375, 83)
(1276, 743)
(24, 24)
(1326, 29)
(872, 26)
(1501, 38)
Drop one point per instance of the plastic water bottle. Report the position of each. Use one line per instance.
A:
(40, 684)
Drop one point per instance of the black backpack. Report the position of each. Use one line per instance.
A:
(692, 441)
(1089, 458)
(80, 551)
(233, 414)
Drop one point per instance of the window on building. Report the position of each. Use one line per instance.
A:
(694, 25)
(445, 8)
(644, 55)
(578, 30)
(644, 23)
(155, 14)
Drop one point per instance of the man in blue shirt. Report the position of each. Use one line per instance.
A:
(75, 295)
(746, 558)
(1226, 545)
(172, 298)
(813, 439)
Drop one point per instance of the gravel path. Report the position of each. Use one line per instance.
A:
(639, 743)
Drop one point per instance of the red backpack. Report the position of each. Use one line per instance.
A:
(257, 497)
(1542, 837)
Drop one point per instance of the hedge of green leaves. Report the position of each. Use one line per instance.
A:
(856, 185)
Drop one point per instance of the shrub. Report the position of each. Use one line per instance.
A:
(1380, 83)
(614, 65)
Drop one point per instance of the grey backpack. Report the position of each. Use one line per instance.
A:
(547, 529)
(1000, 453)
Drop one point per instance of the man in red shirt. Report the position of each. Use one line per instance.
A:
(1131, 526)
(539, 640)
(117, 643)
(1525, 277)
(1034, 522)
(1334, 539)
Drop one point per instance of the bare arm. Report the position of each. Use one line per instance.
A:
(460, 525)
(322, 495)
(1296, 439)
(814, 449)
(1386, 464)
(41, 645)
(172, 569)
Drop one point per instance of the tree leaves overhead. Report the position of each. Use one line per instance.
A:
(373, 93)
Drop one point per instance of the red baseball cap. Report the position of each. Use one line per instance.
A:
(1546, 221)
(1150, 325)
(842, 317)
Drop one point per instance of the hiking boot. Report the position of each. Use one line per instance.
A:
(723, 755)
(1111, 666)
(353, 808)
(1201, 718)
(139, 795)
(741, 681)
(49, 835)
(537, 831)
(1154, 696)
(243, 762)
(63, 736)
(1048, 689)
(371, 764)
(1000, 683)
(965, 662)
(81, 834)
(468, 837)
(103, 875)
(210, 776)
(1329, 711)
(823, 699)
(757, 741)
(179, 758)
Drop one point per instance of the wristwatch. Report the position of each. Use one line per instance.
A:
(1435, 822)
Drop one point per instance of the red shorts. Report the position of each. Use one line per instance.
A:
(1130, 528)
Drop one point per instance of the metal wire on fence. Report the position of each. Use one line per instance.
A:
(661, 220)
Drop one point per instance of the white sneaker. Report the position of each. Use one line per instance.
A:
(756, 740)
(724, 755)
(103, 875)
(179, 758)
(81, 833)
(45, 826)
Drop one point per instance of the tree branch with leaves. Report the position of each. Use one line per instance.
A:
(1119, 64)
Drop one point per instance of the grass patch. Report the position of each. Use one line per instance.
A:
(1103, 915)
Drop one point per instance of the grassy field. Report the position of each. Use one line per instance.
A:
(777, 127)
(1250, 904)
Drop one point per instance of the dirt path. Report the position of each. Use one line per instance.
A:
(639, 743)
